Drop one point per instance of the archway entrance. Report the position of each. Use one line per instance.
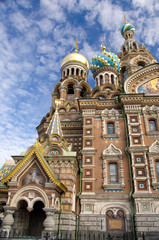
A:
(21, 219)
(37, 217)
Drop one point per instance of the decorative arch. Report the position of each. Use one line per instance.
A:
(114, 206)
(138, 59)
(56, 88)
(86, 85)
(108, 85)
(112, 156)
(19, 196)
(95, 90)
(69, 81)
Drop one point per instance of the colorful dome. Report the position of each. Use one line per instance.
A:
(127, 27)
(105, 59)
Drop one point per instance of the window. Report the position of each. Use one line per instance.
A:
(141, 65)
(157, 170)
(110, 128)
(152, 125)
(125, 74)
(112, 79)
(113, 173)
(101, 79)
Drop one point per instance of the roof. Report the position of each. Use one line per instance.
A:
(37, 151)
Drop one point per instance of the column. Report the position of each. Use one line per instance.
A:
(77, 91)
(63, 93)
(8, 219)
(49, 222)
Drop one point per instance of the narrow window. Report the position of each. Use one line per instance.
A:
(77, 71)
(112, 79)
(152, 125)
(72, 71)
(101, 79)
(113, 173)
(157, 170)
(110, 128)
(125, 75)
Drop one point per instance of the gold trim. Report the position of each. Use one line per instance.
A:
(21, 164)
(3, 190)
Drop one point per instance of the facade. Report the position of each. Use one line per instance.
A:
(93, 172)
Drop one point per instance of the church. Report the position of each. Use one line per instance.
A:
(93, 172)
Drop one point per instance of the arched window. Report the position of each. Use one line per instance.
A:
(106, 78)
(141, 65)
(83, 91)
(81, 73)
(152, 125)
(72, 71)
(70, 91)
(110, 128)
(112, 79)
(113, 173)
(68, 72)
(77, 71)
(134, 45)
(96, 82)
(157, 170)
(101, 79)
(125, 74)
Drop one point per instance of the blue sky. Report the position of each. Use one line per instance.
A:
(35, 35)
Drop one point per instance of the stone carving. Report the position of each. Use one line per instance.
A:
(112, 150)
(114, 154)
(107, 116)
(154, 148)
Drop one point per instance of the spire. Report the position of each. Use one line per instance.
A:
(76, 48)
(55, 124)
(103, 45)
(125, 19)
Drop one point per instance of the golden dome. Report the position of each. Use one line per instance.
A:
(75, 57)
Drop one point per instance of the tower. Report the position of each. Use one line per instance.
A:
(105, 68)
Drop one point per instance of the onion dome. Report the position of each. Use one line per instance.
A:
(127, 27)
(104, 58)
(75, 57)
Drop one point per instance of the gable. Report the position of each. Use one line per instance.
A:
(41, 160)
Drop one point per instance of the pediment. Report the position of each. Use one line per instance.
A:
(34, 174)
(112, 150)
(154, 148)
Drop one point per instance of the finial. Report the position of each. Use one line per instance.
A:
(125, 19)
(103, 45)
(57, 103)
(76, 49)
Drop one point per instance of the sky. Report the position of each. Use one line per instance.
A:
(35, 35)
